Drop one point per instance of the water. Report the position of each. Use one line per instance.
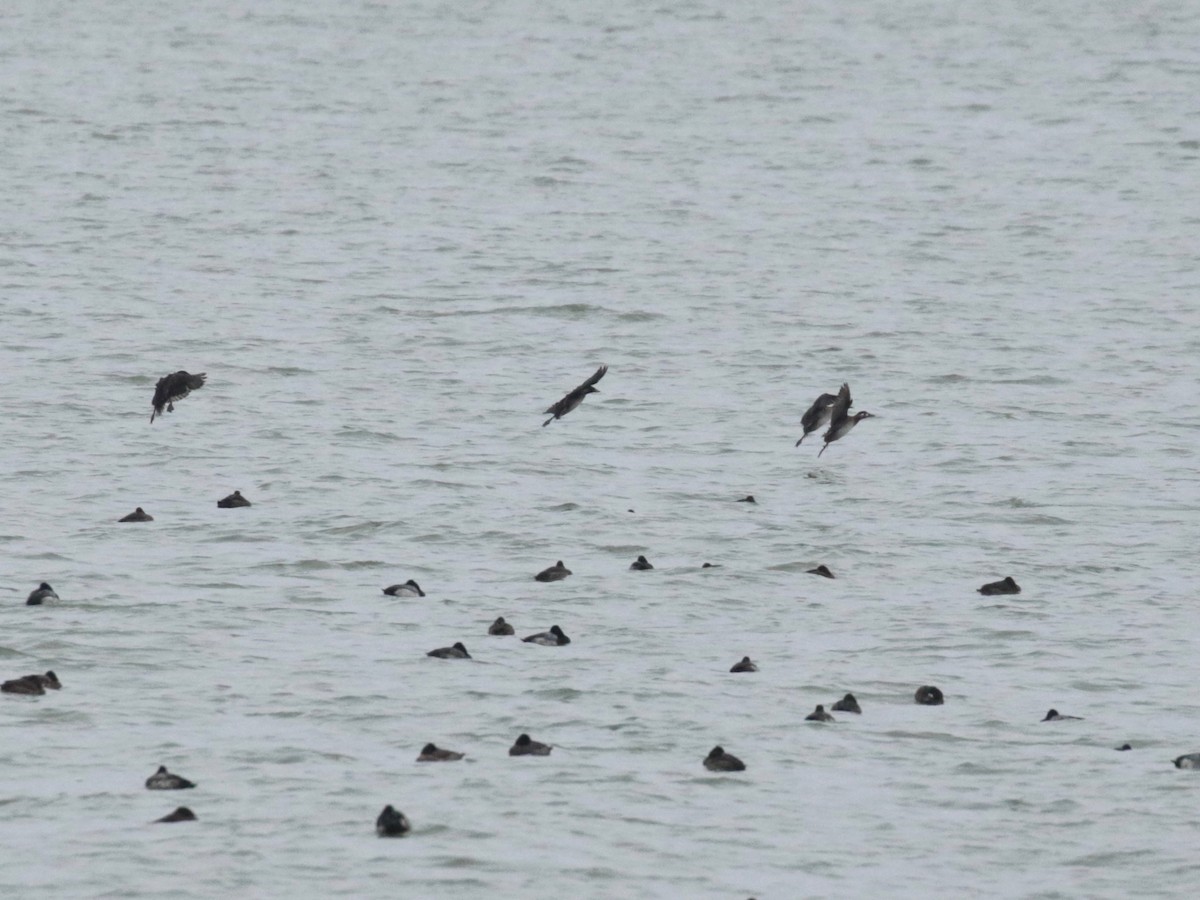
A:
(392, 234)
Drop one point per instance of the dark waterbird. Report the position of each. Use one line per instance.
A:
(575, 397)
(847, 704)
(458, 651)
(500, 627)
(434, 753)
(42, 594)
(556, 572)
(28, 684)
(720, 761)
(818, 715)
(817, 415)
(392, 823)
(409, 589)
(928, 695)
(233, 501)
(641, 564)
(840, 420)
(138, 515)
(552, 638)
(822, 570)
(172, 388)
(527, 746)
(162, 780)
(1007, 586)
(1055, 716)
(744, 666)
(181, 814)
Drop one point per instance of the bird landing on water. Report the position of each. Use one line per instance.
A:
(840, 422)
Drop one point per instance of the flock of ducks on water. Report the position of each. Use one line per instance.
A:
(827, 410)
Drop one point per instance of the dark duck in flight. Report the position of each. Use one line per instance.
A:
(173, 387)
(817, 415)
(573, 399)
(840, 420)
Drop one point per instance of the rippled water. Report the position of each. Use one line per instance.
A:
(392, 234)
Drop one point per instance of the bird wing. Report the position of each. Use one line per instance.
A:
(809, 420)
(841, 405)
(600, 372)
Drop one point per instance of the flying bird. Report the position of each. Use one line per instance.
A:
(840, 422)
(817, 415)
(173, 387)
(573, 399)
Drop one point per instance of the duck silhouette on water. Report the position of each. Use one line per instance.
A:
(744, 666)
(527, 746)
(162, 780)
(233, 501)
(847, 704)
(457, 651)
(552, 638)
(433, 753)
(409, 589)
(138, 515)
(41, 595)
(641, 564)
(556, 572)
(392, 823)
(1006, 586)
(720, 761)
(500, 627)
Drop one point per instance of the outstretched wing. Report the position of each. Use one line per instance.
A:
(174, 387)
(810, 419)
(841, 406)
(600, 372)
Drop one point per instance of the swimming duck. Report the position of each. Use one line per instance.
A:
(840, 422)
(1124, 747)
(172, 388)
(575, 397)
(744, 666)
(817, 415)
(641, 564)
(233, 501)
(1188, 761)
(49, 680)
(552, 638)
(28, 684)
(409, 589)
(1007, 586)
(181, 814)
(162, 780)
(927, 695)
(720, 761)
(43, 594)
(526, 746)
(847, 704)
(458, 651)
(749, 498)
(432, 753)
(138, 515)
(500, 627)
(1054, 716)
(392, 823)
(822, 570)
(818, 715)
(556, 572)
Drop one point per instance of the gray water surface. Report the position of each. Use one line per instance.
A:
(392, 234)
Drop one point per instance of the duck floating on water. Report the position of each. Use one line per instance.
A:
(527, 746)
(552, 638)
(1006, 586)
(819, 715)
(138, 515)
(641, 564)
(500, 627)
(928, 695)
(457, 651)
(409, 589)
(847, 704)
(744, 666)
(233, 501)
(181, 814)
(720, 761)
(41, 595)
(1055, 716)
(392, 823)
(556, 572)
(162, 780)
(433, 753)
